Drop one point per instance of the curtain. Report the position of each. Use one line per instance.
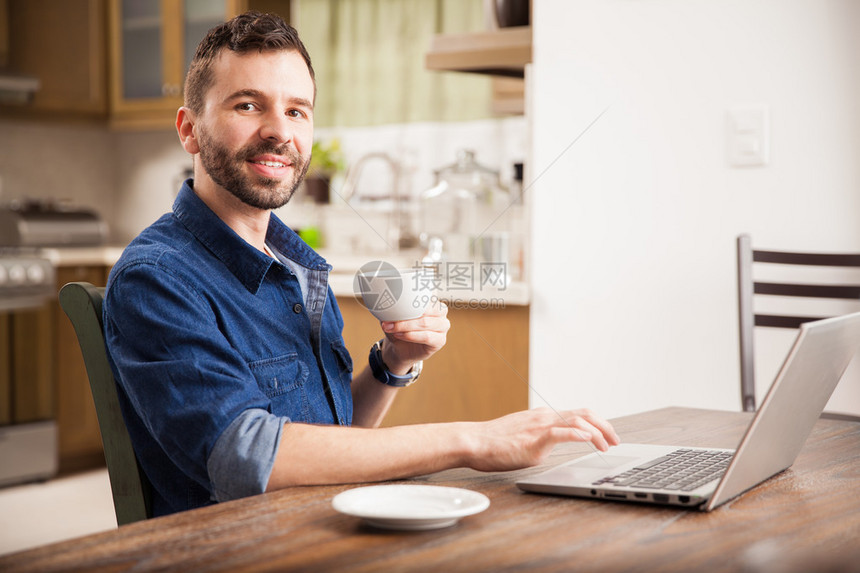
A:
(368, 56)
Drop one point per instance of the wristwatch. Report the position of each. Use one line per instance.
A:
(381, 372)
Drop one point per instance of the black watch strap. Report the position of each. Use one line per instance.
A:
(381, 372)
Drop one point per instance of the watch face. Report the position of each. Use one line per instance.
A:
(416, 370)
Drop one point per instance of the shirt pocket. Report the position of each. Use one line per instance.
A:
(283, 380)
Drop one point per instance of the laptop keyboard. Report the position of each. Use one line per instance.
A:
(681, 470)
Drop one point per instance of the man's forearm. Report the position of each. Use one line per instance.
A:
(318, 455)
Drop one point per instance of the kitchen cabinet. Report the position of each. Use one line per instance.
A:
(5, 373)
(80, 441)
(502, 53)
(4, 33)
(63, 44)
(151, 44)
(481, 373)
(26, 368)
(32, 391)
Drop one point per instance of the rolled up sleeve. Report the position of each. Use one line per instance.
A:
(241, 461)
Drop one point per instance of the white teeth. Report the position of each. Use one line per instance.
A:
(271, 163)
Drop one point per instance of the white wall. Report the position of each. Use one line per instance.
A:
(634, 222)
(71, 163)
(150, 169)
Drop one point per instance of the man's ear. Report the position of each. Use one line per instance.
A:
(185, 121)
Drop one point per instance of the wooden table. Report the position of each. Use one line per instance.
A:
(805, 519)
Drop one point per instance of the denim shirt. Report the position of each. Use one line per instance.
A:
(215, 347)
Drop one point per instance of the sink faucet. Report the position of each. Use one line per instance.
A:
(399, 235)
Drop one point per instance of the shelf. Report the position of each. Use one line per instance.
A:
(503, 52)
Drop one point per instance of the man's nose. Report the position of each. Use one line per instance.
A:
(276, 128)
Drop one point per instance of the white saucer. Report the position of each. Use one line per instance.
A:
(410, 507)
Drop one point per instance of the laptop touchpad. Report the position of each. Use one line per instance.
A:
(601, 462)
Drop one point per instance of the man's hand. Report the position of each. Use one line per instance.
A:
(409, 341)
(524, 439)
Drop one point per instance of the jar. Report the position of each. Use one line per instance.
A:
(463, 204)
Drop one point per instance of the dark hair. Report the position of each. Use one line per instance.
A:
(244, 33)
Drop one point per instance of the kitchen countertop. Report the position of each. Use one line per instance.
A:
(71, 256)
(471, 294)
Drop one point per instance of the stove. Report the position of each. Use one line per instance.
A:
(45, 222)
(27, 279)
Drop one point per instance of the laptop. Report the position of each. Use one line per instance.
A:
(651, 473)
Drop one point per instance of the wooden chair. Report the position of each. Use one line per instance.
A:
(82, 303)
(749, 288)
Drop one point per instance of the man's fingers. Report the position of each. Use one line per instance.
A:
(570, 434)
(585, 426)
(434, 340)
(432, 322)
(604, 426)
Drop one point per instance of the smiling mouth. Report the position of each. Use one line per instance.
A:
(276, 164)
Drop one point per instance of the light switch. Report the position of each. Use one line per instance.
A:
(747, 136)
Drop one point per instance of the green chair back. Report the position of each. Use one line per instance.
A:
(82, 303)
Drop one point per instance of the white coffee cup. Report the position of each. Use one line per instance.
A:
(391, 294)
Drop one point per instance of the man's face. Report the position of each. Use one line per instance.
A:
(256, 129)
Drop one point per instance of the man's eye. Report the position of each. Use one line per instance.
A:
(296, 113)
(246, 106)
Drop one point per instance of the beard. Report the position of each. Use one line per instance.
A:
(226, 169)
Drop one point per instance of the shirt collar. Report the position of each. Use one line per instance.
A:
(247, 264)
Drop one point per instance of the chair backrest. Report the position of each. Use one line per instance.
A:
(82, 303)
(749, 288)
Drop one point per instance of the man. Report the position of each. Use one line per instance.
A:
(224, 337)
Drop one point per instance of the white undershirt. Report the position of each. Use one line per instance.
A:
(298, 270)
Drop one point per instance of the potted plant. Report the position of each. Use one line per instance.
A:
(326, 161)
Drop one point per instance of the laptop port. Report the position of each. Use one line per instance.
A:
(661, 498)
(684, 498)
(641, 495)
(615, 495)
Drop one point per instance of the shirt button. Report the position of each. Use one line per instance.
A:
(297, 308)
